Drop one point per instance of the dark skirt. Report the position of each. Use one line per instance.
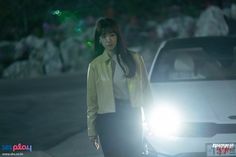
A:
(120, 133)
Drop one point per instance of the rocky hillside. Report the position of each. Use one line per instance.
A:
(64, 51)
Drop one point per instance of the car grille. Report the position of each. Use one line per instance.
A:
(206, 129)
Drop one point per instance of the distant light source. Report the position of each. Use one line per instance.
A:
(78, 29)
(56, 12)
(89, 43)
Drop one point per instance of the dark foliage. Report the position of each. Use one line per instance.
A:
(22, 17)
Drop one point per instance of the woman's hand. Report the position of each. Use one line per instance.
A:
(95, 141)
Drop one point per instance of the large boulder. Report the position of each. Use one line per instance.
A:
(34, 57)
(49, 56)
(23, 69)
(233, 11)
(230, 11)
(71, 54)
(182, 26)
(211, 23)
(26, 45)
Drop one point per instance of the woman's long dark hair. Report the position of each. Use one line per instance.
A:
(108, 25)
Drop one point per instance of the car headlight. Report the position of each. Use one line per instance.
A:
(164, 121)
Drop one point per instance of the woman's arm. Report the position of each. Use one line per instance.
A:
(92, 106)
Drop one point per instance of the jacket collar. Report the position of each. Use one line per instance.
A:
(105, 57)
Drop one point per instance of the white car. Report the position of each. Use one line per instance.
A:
(194, 85)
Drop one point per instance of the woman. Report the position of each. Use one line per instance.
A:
(117, 88)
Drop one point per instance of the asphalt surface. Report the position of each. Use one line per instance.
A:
(49, 113)
(75, 146)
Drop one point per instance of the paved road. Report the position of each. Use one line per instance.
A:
(75, 146)
(47, 112)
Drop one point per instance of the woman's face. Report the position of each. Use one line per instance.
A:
(108, 41)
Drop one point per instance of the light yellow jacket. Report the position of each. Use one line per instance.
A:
(100, 96)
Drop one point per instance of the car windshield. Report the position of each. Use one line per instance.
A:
(189, 64)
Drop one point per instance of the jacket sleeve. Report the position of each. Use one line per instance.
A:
(92, 105)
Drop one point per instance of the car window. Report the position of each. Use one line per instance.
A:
(188, 64)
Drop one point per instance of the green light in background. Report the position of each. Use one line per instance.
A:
(56, 12)
(78, 29)
(89, 43)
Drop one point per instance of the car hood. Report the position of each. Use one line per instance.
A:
(199, 101)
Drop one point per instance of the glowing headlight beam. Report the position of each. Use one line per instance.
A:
(164, 121)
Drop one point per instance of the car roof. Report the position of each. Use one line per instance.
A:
(214, 42)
